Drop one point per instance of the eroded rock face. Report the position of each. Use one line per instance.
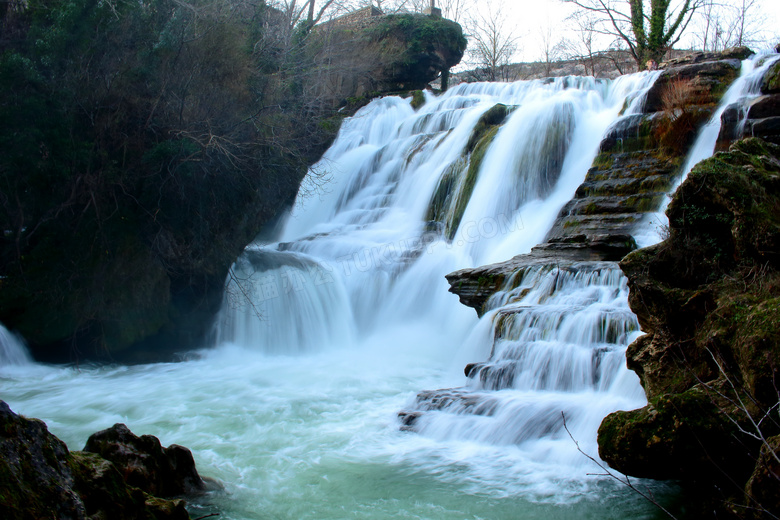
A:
(709, 299)
(709, 80)
(40, 478)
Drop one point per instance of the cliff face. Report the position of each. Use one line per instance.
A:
(708, 298)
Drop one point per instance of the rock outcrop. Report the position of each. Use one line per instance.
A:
(382, 54)
(708, 298)
(137, 479)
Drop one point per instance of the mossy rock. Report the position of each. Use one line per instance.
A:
(770, 83)
(762, 493)
(494, 116)
(35, 479)
(456, 184)
(677, 436)
(708, 298)
(418, 99)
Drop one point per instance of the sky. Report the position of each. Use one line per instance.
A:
(531, 17)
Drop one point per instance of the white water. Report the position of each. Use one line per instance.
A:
(13, 351)
(296, 408)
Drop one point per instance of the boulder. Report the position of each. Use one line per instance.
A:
(145, 463)
(40, 478)
(770, 84)
(35, 478)
(106, 494)
(654, 443)
(764, 106)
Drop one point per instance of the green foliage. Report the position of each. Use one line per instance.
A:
(421, 32)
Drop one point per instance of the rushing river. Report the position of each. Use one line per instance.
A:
(336, 324)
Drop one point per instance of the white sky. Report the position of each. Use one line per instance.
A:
(531, 17)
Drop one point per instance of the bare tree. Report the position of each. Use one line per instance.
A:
(721, 24)
(453, 10)
(649, 27)
(552, 49)
(492, 44)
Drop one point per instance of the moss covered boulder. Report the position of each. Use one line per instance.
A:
(770, 84)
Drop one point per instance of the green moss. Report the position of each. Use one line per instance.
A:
(494, 116)
(418, 99)
(456, 185)
(770, 84)
(676, 436)
(603, 161)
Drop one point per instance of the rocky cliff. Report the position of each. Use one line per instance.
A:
(708, 299)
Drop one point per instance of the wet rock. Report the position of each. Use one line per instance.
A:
(145, 463)
(770, 84)
(35, 478)
(106, 494)
(654, 443)
(767, 129)
(408, 420)
(764, 106)
(40, 478)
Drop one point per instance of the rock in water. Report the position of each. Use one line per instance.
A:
(35, 479)
(40, 478)
(145, 463)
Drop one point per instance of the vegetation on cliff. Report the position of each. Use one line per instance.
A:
(145, 144)
(709, 299)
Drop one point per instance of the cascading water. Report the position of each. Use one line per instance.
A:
(13, 352)
(331, 331)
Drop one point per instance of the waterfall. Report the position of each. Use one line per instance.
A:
(13, 351)
(374, 257)
(404, 197)
(344, 319)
